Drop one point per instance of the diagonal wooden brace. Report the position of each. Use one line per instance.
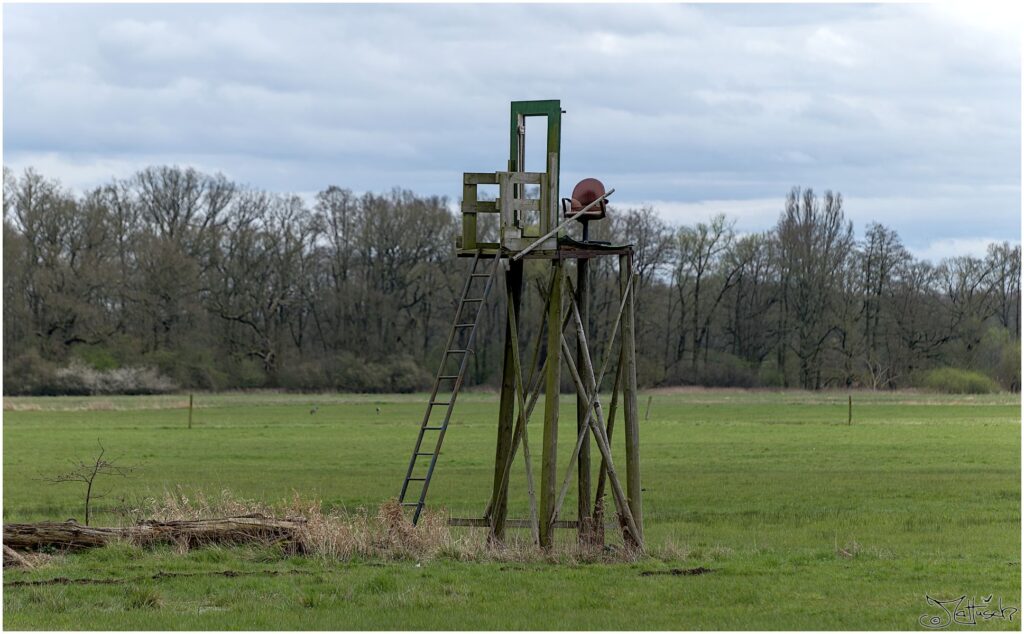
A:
(593, 401)
(602, 444)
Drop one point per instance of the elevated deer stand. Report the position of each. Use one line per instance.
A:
(529, 229)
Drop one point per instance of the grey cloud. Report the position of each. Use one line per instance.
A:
(677, 103)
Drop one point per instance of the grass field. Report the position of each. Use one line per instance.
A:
(805, 522)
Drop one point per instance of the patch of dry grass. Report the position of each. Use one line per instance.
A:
(384, 533)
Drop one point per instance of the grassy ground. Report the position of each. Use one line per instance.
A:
(805, 522)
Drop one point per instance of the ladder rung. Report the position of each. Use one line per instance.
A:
(480, 275)
(433, 428)
(461, 351)
(448, 376)
(424, 453)
(472, 299)
(470, 325)
(416, 479)
(440, 402)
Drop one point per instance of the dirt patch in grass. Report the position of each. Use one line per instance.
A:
(66, 581)
(677, 572)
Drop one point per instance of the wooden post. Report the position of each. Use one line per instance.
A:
(506, 407)
(549, 458)
(582, 406)
(849, 411)
(510, 373)
(630, 414)
(190, 410)
(647, 412)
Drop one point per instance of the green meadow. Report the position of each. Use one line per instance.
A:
(801, 520)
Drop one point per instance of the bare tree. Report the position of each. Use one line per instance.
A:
(815, 240)
(1004, 261)
(702, 251)
(223, 286)
(87, 473)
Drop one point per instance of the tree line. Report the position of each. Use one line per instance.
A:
(174, 278)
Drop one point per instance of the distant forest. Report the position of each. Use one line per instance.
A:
(175, 279)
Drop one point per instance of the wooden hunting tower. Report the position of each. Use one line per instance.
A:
(530, 227)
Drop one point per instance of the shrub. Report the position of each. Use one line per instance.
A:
(80, 379)
(96, 356)
(720, 370)
(649, 371)
(769, 375)
(999, 355)
(189, 368)
(958, 381)
(406, 376)
(348, 373)
(305, 376)
(357, 375)
(28, 374)
(726, 370)
(245, 373)
(1008, 370)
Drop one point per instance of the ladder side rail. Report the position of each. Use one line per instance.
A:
(437, 380)
(455, 392)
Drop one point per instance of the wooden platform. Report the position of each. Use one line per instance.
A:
(568, 249)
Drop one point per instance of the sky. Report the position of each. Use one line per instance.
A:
(912, 112)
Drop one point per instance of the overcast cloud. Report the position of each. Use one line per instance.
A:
(911, 111)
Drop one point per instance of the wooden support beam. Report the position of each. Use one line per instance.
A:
(549, 458)
(583, 407)
(483, 522)
(535, 383)
(506, 406)
(631, 416)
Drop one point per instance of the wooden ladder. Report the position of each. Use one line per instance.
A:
(458, 347)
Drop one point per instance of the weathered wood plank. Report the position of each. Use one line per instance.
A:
(535, 383)
(549, 458)
(630, 411)
(583, 407)
(479, 178)
(499, 495)
(483, 522)
(72, 535)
